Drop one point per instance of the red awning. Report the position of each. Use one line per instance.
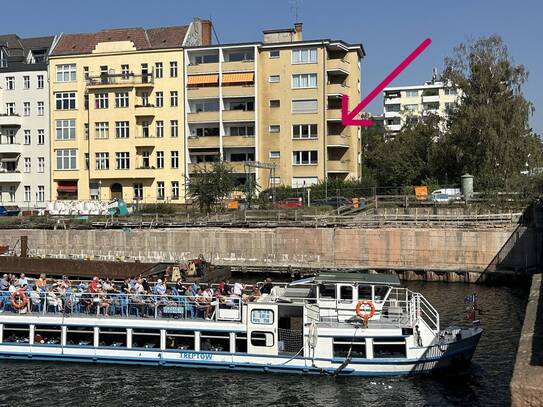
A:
(69, 187)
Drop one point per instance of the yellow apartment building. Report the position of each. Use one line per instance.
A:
(117, 113)
(276, 102)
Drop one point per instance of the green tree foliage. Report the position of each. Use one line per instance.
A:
(208, 186)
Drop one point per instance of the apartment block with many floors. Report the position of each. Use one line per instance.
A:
(117, 114)
(404, 103)
(24, 121)
(277, 102)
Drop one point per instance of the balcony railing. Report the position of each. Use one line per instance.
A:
(120, 79)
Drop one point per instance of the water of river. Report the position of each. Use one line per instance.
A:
(486, 383)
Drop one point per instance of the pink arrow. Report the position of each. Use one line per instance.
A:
(348, 119)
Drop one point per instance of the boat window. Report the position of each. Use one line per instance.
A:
(80, 335)
(262, 316)
(146, 338)
(241, 343)
(16, 333)
(215, 341)
(47, 335)
(364, 292)
(389, 348)
(262, 338)
(115, 337)
(346, 292)
(342, 346)
(177, 339)
(380, 293)
(327, 291)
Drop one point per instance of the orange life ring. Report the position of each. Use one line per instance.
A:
(365, 315)
(23, 299)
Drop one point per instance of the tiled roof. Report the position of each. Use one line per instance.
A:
(154, 38)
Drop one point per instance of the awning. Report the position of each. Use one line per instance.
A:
(67, 186)
(238, 77)
(203, 79)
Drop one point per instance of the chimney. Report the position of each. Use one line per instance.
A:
(206, 31)
(298, 31)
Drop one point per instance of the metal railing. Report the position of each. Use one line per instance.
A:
(120, 79)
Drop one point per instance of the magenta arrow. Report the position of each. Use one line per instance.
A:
(348, 119)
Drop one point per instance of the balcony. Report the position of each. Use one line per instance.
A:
(144, 110)
(203, 142)
(238, 115)
(14, 148)
(108, 81)
(333, 115)
(150, 141)
(339, 166)
(390, 115)
(144, 172)
(203, 117)
(10, 177)
(203, 68)
(393, 127)
(204, 92)
(392, 101)
(238, 90)
(248, 65)
(238, 167)
(338, 66)
(238, 141)
(341, 141)
(337, 89)
(193, 167)
(10, 120)
(430, 99)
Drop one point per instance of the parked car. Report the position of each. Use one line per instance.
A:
(335, 201)
(289, 203)
(446, 195)
(9, 210)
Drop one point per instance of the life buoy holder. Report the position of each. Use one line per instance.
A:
(362, 312)
(22, 299)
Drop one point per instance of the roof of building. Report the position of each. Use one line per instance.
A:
(16, 51)
(360, 278)
(143, 39)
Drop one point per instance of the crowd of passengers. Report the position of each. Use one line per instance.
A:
(107, 297)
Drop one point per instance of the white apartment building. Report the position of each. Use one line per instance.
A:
(402, 103)
(24, 121)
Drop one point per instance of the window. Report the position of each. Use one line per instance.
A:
(121, 99)
(240, 157)
(102, 100)
(275, 154)
(122, 161)
(65, 100)
(262, 316)
(102, 130)
(66, 73)
(10, 83)
(80, 336)
(274, 78)
(304, 56)
(145, 129)
(449, 91)
(450, 105)
(41, 193)
(146, 338)
(327, 291)
(304, 157)
(175, 159)
(389, 348)
(66, 159)
(173, 69)
(345, 346)
(304, 106)
(86, 131)
(274, 54)
(112, 337)
(28, 164)
(176, 339)
(144, 98)
(102, 161)
(242, 131)
(210, 106)
(262, 339)
(138, 191)
(410, 108)
(346, 293)
(304, 131)
(158, 70)
(26, 82)
(175, 189)
(214, 341)
(304, 81)
(205, 132)
(125, 71)
(122, 129)
(86, 75)
(65, 129)
(364, 292)
(41, 164)
(41, 108)
(28, 137)
(160, 128)
(41, 137)
(145, 159)
(16, 333)
(173, 98)
(174, 128)
(275, 128)
(206, 59)
(40, 81)
(28, 193)
(12, 189)
(411, 93)
(275, 103)
(26, 108)
(160, 190)
(160, 159)
(10, 109)
(159, 99)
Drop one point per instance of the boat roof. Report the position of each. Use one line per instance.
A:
(360, 278)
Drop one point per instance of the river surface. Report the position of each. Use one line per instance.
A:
(485, 383)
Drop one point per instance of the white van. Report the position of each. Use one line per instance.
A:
(445, 195)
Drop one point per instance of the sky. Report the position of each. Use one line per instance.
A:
(389, 30)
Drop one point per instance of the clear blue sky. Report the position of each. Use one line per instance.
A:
(389, 30)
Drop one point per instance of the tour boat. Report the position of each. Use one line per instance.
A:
(348, 324)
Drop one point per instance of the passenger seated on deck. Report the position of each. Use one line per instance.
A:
(126, 287)
(160, 288)
(238, 289)
(54, 298)
(4, 283)
(267, 287)
(206, 345)
(41, 282)
(108, 286)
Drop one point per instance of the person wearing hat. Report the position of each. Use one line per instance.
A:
(160, 287)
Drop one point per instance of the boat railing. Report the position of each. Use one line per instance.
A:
(415, 305)
(123, 305)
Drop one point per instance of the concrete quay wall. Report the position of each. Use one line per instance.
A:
(403, 249)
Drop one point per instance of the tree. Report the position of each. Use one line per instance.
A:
(488, 133)
(211, 185)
